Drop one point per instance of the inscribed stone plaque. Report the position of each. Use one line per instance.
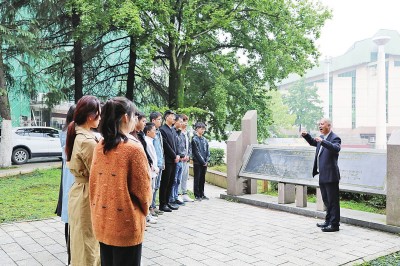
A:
(361, 170)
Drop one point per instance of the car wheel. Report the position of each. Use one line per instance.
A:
(20, 156)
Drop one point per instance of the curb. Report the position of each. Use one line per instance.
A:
(315, 214)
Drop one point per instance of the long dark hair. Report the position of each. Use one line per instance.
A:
(70, 116)
(87, 106)
(110, 123)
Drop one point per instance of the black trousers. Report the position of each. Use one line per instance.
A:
(167, 180)
(199, 179)
(120, 256)
(67, 242)
(330, 196)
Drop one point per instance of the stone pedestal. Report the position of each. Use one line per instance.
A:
(249, 131)
(393, 180)
(286, 193)
(234, 151)
(301, 196)
(320, 202)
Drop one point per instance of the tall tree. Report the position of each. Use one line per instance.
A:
(18, 47)
(304, 102)
(281, 116)
(276, 37)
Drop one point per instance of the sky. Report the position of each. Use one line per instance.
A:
(355, 20)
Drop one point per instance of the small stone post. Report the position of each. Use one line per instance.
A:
(393, 180)
(286, 193)
(301, 196)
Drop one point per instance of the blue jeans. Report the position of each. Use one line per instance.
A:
(156, 187)
(176, 183)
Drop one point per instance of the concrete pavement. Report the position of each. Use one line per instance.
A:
(33, 164)
(214, 232)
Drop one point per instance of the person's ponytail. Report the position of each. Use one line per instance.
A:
(110, 123)
(71, 135)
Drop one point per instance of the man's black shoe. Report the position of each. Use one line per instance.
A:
(204, 198)
(330, 228)
(165, 208)
(197, 199)
(173, 206)
(322, 224)
(179, 202)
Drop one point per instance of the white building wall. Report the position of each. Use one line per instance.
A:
(366, 86)
(394, 94)
(323, 93)
(341, 102)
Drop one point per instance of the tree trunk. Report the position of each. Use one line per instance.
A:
(173, 78)
(130, 84)
(78, 59)
(6, 125)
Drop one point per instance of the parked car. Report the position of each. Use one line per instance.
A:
(30, 142)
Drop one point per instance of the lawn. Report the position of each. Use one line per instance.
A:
(29, 196)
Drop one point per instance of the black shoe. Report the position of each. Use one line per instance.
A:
(165, 208)
(197, 199)
(179, 202)
(330, 228)
(325, 224)
(204, 198)
(173, 206)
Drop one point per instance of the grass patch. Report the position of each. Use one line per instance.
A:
(345, 202)
(391, 259)
(29, 196)
(361, 206)
(220, 168)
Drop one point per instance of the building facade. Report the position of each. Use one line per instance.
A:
(348, 84)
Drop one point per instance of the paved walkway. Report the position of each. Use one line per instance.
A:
(214, 232)
(36, 163)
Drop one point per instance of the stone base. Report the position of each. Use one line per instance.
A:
(301, 196)
(286, 193)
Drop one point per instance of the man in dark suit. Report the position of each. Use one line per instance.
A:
(326, 165)
(171, 157)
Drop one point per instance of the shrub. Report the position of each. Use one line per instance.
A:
(216, 156)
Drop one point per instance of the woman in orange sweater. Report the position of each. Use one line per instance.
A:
(120, 192)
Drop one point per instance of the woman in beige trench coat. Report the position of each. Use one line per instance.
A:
(85, 250)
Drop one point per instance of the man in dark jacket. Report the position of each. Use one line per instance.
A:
(171, 158)
(201, 157)
(326, 165)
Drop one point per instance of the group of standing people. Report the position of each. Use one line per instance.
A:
(114, 162)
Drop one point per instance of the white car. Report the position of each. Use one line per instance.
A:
(30, 142)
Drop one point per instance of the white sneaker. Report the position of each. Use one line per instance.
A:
(151, 220)
(180, 198)
(186, 198)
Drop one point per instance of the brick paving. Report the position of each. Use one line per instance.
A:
(214, 232)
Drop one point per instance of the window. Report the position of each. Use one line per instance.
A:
(50, 133)
(352, 74)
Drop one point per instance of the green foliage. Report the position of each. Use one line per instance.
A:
(304, 102)
(194, 113)
(348, 200)
(282, 118)
(375, 201)
(219, 167)
(216, 156)
(186, 53)
(29, 196)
